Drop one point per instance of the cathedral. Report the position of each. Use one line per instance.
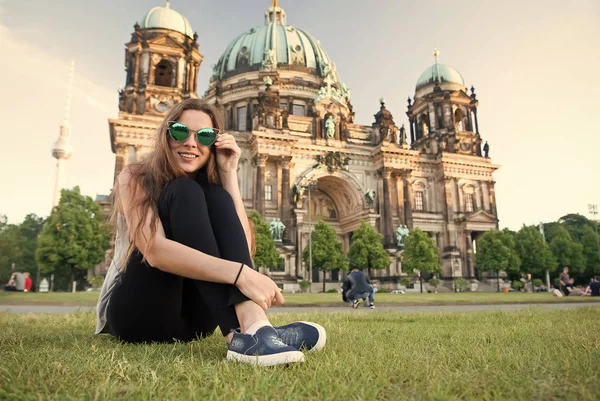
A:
(303, 157)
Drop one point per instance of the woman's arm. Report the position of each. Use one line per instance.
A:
(230, 183)
(176, 258)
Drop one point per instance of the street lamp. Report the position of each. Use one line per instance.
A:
(311, 185)
(593, 212)
(541, 227)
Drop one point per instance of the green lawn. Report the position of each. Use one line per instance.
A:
(518, 355)
(89, 298)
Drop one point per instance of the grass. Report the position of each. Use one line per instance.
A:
(466, 298)
(531, 354)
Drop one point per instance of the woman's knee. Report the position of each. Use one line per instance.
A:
(182, 189)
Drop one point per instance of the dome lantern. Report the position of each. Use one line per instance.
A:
(166, 18)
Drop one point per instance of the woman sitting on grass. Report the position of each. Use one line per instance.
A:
(181, 264)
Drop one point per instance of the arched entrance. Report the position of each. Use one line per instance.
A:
(336, 198)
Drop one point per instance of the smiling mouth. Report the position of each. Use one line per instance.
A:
(189, 156)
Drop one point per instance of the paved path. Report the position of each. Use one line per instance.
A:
(431, 308)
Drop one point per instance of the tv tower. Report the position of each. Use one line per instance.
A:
(61, 150)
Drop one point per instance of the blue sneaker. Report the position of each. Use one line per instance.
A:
(264, 348)
(307, 335)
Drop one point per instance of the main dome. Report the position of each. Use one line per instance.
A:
(166, 18)
(286, 46)
(440, 73)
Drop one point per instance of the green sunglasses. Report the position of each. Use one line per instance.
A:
(180, 133)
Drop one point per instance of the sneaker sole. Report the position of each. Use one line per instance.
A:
(267, 360)
(322, 336)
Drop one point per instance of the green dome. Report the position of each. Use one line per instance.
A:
(441, 73)
(166, 18)
(292, 48)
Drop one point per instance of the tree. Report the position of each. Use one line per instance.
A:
(591, 253)
(420, 253)
(534, 252)
(496, 252)
(567, 252)
(17, 245)
(10, 250)
(366, 251)
(29, 230)
(575, 224)
(327, 251)
(266, 253)
(74, 238)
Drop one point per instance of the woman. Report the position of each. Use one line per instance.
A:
(181, 264)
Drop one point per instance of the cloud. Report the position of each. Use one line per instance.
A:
(34, 85)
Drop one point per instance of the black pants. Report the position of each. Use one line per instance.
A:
(149, 305)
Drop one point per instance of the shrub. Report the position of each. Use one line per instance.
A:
(332, 291)
(556, 282)
(304, 285)
(96, 282)
(405, 281)
(462, 284)
(517, 285)
(383, 291)
(537, 282)
(434, 282)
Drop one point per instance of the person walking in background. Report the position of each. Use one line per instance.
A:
(356, 286)
(28, 282)
(564, 281)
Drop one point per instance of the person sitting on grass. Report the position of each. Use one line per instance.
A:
(181, 264)
(593, 289)
(356, 286)
(573, 291)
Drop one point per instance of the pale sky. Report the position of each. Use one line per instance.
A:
(533, 64)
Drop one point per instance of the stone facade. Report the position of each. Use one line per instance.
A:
(295, 125)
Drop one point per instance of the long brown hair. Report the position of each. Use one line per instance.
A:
(158, 168)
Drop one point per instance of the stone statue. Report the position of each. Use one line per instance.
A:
(298, 191)
(322, 94)
(330, 127)
(486, 150)
(270, 60)
(277, 227)
(402, 136)
(425, 129)
(370, 197)
(401, 234)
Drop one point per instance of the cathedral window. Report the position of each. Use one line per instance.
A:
(299, 110)
(163, 74)
(419, 201)
(468, 203)
(268, 192)
(241, 118)
(283, 106)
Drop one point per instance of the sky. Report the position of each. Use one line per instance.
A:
(532, 63)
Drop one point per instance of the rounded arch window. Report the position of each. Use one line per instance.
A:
(163, 74)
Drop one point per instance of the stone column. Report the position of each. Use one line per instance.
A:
(408, 195)
(493, 198)
(412, 131)
(400, 189)
(261, 164)
(449, 182)
(388, 230)
(476, 122)
(478, 197)
(286, 204)
(120, 158)
(470, 259)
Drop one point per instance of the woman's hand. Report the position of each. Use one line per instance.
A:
(228, 153)
(259, 288)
